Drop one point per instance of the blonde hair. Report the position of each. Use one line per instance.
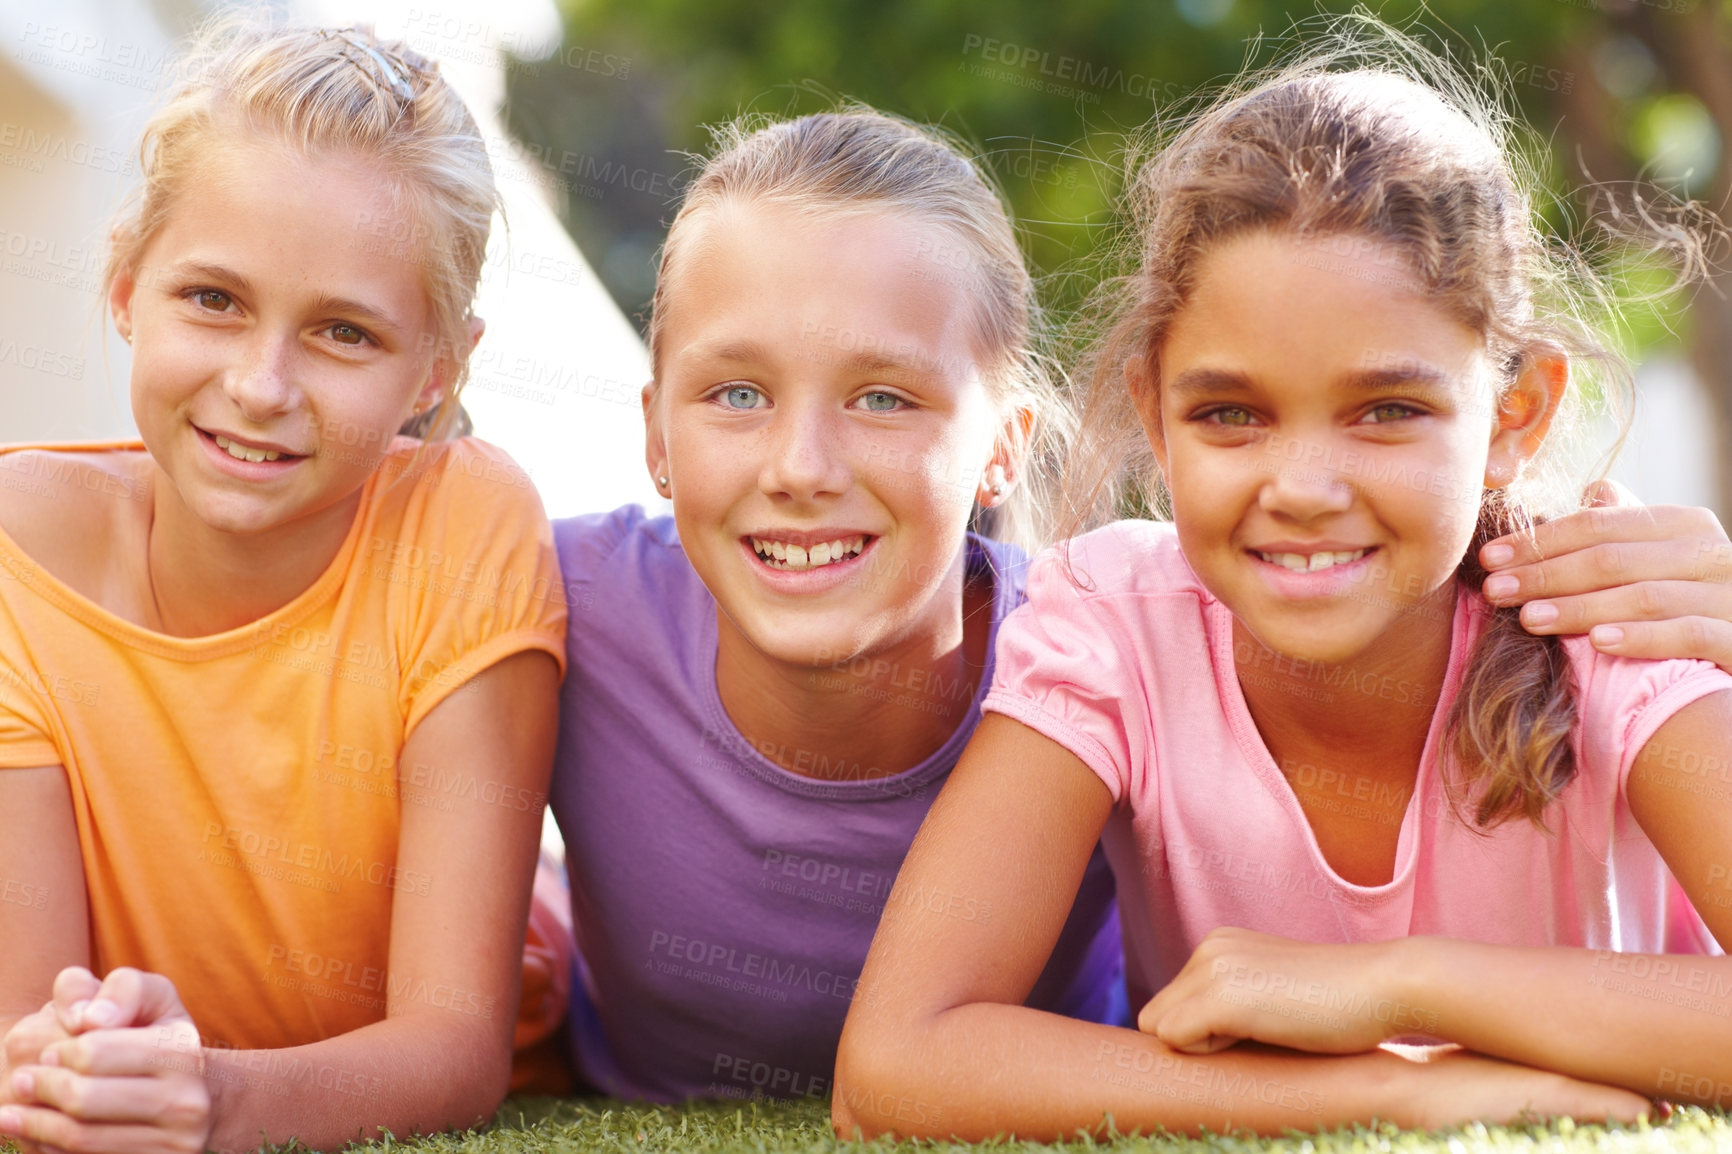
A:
(325, 91)
(1405, 151)
(860, 160)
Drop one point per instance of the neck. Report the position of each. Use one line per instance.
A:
(872, 715)
(204, 581)
(1373, 711)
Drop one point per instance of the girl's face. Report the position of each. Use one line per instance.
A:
(821, 416)
(275, 351)
(1326, 431)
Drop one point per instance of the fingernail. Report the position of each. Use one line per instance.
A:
(77, 1010)
(49, 1057)
(1501, 586)
(1539, 613)
(11, 1121)
(24, 1084)
(1494, 555)
(102, 1013)
(1606, 635)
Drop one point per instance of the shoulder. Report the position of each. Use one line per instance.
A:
(453, 490)
(1124, 558)
(465, 470)
(1621, 702)
(72, 508)
(610, 545)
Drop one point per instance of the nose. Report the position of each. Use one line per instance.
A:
(804, 456)
(1310, 487)
(262, 383)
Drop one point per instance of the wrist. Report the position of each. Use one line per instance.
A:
(1410, 995)
(218, 1083)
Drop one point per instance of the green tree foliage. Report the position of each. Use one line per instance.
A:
(1047, 91)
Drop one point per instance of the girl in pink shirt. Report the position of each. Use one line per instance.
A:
(1347, 800)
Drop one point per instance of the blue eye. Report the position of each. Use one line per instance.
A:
(880, 402)
(742, 397)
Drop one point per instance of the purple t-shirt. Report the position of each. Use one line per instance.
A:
(723, 905)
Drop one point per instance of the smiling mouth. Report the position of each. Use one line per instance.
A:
(798, 558)
(1311, 562)
(242, 452)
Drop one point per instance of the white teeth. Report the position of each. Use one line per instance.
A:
(782, 555)
(242, 453)
(1303, 563)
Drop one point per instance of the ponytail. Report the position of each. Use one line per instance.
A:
(1510, 725)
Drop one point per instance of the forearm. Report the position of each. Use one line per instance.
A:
(1654, 1024)
(984, 1069)
(408, 1075)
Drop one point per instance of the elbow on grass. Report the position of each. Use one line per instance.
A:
(870, 1100)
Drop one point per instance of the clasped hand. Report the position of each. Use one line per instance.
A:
(107, 1066)
(1325, 999)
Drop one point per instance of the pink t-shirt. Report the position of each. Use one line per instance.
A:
(1133, 672)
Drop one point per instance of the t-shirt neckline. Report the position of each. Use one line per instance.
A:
(1463, 633)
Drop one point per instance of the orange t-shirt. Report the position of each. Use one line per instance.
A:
(237, 796)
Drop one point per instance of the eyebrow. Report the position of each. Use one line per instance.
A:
(214, 272)
(352, 308)
(1409, 375)
(858, 360)
(324, 304)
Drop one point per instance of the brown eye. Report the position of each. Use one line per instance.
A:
(1383, 414)
(348, 335)
(1234, 417)
(212, 299)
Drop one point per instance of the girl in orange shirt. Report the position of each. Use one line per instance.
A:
(237, 776)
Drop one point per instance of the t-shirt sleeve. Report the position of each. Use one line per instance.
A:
(24, 736)
(1059, 672)
(490, 584)
(1627, 701)
(23, 742)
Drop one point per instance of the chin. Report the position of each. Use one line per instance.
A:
(1321, 643)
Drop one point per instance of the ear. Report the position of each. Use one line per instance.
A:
(655, 448)
(1009, 456)
(1140, 383)
(446, 368)
(120, 300)
(1524, 413)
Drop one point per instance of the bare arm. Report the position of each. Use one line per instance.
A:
(43, 912)
(938, 1044)
(435, 1062)
(1657, 1025)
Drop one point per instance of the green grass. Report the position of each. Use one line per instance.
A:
(594, 1126)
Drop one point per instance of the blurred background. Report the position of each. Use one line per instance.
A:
(597, 105)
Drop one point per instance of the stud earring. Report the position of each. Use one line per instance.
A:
(994, 482)
(662, 482)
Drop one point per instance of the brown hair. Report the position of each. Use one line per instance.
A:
(1409, 154)
(333, 91)
(858, 159)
